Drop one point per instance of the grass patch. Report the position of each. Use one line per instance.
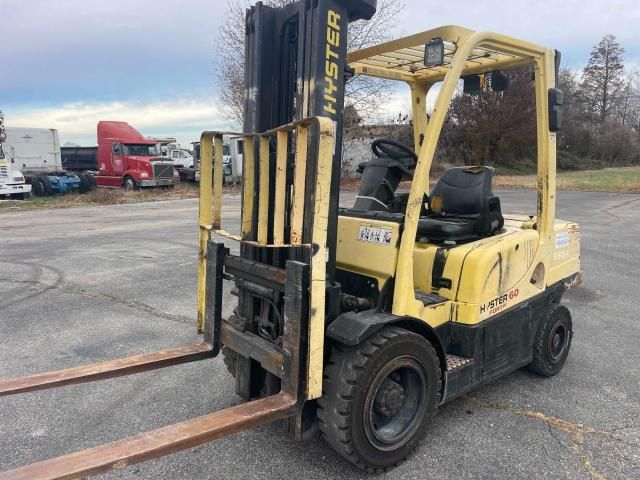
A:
(105, 196)
(565, 162)
(618, 180)
(516, 170)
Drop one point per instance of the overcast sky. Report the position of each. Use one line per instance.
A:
(66, 64)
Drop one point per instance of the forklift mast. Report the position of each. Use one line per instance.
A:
(295, 67)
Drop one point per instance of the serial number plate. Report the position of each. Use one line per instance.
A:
(375, 235)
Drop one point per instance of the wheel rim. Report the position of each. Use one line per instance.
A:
(558, 340)
(128, 184)
(395, 403)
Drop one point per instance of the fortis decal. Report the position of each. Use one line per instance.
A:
(499, 303)
(332, 69)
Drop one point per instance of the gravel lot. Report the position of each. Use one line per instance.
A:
(89, 284)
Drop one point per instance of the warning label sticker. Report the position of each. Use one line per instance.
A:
(562, 239)
(371, 234)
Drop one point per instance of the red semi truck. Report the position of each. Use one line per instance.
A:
(128, 159)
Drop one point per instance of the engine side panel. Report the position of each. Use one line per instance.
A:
(368, 247)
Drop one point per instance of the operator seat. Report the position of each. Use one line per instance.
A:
(462, 207)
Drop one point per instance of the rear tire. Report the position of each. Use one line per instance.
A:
(85, 183)
(378, 398)
(48, 191)
(37, 186)
(553, 342)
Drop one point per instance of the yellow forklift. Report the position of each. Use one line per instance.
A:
(360, 321)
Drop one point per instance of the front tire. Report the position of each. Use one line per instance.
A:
(378, 398)
(553, 342)
(130, 184)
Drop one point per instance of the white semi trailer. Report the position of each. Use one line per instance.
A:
(36, 151)
(12, 182)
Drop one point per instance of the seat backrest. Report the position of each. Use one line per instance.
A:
(464, 190)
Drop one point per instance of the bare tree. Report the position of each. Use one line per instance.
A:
(365, 94)
(603, 77)
(576, 134)
(629, 99)
(632, 115)
(496, 128)
(229, 59)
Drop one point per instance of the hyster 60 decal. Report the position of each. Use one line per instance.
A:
(499, 303)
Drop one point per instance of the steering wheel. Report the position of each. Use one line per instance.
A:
(385, 147)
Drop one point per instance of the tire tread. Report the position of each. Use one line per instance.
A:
(342, 373)
(538, 365)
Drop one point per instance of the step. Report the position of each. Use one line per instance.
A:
(454, 362)
(430, 298)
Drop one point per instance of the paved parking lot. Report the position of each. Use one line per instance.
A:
(88, 284)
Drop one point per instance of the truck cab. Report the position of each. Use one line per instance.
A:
(181, 158)
(12, 181)
(128, 159)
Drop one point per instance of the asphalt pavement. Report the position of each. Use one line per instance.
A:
(83, 285)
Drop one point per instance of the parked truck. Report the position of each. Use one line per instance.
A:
(80, 159)
(12, 182)
(232, 151)
(181, 157)
(183, 160)
(128, 159)
(184, 163)
(36, 152)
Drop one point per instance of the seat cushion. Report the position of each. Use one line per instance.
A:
(457, 229)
